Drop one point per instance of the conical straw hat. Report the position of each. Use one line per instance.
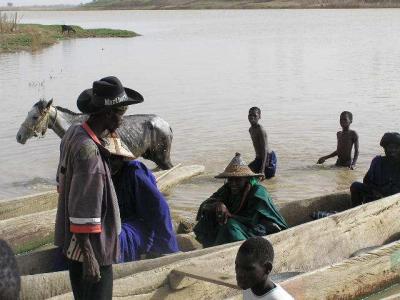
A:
(237, 168)
(117, 147)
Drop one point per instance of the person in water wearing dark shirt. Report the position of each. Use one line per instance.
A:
(346, 139)
(383, 176)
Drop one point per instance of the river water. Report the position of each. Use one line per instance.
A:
(201, 71)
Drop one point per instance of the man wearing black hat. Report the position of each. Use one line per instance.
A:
(383, 176)
(88, 219)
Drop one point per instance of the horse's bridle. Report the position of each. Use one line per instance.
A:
(44, 117)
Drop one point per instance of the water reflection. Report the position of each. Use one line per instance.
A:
(202, 70)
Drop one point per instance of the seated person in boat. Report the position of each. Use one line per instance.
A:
(240, 209)
(265, 161)
(10, 280)
(146, 226)
(383, 176)
(253, 265)
(346, 139)
(145, 216)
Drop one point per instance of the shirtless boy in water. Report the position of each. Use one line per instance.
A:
(265, 161)
(345, 141)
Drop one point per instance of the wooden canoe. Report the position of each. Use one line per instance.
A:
(302, 248)
(352, 278)
(296, 212)
(46, 201)
(29, 231)
(299, 249)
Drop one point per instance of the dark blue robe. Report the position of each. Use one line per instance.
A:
(381, 180)
(145, 216)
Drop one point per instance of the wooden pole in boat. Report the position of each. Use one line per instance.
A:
(167, 172)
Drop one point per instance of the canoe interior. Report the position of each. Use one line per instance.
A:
(296, 212)
(302, 248)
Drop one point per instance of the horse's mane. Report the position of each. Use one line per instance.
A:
(62, 109)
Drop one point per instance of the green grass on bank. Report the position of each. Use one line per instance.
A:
(32, 37)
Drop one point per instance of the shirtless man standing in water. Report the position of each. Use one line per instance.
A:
(345, 141)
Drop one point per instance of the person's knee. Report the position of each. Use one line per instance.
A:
(356, 187)
(231, 226)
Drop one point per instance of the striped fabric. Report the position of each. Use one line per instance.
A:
(85, 225)
(74, 251)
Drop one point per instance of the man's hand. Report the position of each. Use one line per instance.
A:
(261, 178)
(90, 265)
(91, 269)
(222, 213)
(321, 160)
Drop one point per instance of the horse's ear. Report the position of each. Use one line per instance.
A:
(49, 103)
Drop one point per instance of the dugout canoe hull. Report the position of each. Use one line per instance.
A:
(295, 212)
(28, 232)
(353, 278)
(302, 248)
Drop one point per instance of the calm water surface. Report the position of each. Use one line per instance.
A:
(201, 71)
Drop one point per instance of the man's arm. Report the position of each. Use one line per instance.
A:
(85, 204)
(259, 138)
(264, 152)
(356, 146)
(322, 159)
(91, 268)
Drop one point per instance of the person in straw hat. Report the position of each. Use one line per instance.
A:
(145, 216)
(240, 209)
(88, 219)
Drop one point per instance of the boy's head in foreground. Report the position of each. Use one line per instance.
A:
(254, 262)
(254, 115)
(346, 118)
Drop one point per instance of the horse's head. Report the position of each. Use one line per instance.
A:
(36, 121)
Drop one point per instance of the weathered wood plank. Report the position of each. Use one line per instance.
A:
(28, 204)
(178, 275)
(48, 200)
(303, 209)
(302, 248)
(351, 279)
(28, 232)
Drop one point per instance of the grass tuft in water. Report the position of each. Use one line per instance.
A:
(32, 37)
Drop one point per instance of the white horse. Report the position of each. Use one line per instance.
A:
(148, 136)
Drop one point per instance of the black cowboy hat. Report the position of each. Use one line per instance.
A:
(107, 92)
(390, 138)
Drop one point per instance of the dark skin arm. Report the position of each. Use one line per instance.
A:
(222, 213)
(259, 138)
(91, 268)
(263, 151)
(322, 159)
(356, 146)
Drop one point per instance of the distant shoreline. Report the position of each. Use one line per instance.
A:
(217, 4)
(33, 37)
